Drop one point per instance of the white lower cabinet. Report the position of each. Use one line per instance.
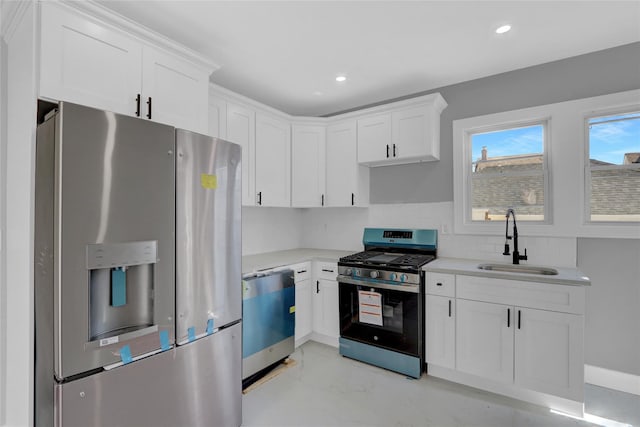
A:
(440, 331)
(326, 317)
(303, 309)
(325, 308)
(548, 352)
(484, 340)
(507, 336)
(304, 302)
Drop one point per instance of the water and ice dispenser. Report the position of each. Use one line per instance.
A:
(121, 288)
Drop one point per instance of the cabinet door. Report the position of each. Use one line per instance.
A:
(308, 166)
(273, 161)
(440, 331)
(548, 352)
(411, 137)
(304, 309)
(347, 181)
(374, 138)
(88, 63)
(326, 318)
(217, 117)
(484, 339)
(241, 130)
(175, 92)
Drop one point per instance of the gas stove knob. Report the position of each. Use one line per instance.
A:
(403, 277)
(374, 274)
(348, 272)
(393, 276)
(358, 272)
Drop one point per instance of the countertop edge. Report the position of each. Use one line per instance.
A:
(466, 267)
(268, 260)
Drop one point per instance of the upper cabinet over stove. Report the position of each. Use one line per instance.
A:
(401, 132)
(91, 58)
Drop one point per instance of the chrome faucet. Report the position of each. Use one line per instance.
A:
(516, 255)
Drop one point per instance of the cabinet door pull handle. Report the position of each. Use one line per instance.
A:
(387, 151)
(508, 317)
(260, 198)
(519, 313)
(301, 271)
(353, 199)
(138, 105)
(149, 109)
(327, 271)
(438, 284)
(323, 200)
(394, 150)
(317, 286)
(449, 308)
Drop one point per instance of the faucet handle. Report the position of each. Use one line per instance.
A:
(524, 257)
(506, 249)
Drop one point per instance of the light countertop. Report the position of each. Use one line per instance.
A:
(565, 276)
(267, 260)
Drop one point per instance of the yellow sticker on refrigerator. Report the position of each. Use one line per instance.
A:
(209, 182)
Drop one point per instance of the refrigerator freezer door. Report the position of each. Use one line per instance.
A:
(114, 192)
(208, 235)
(193, 385)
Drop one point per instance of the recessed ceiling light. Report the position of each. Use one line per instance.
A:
(318, 93)
(503, 29)
(341, 78)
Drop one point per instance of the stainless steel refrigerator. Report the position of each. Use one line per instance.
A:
(137, 274)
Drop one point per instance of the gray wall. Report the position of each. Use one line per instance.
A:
(612, 330)
(599, 73)
(612, 322)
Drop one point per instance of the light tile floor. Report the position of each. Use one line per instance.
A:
(325, 389)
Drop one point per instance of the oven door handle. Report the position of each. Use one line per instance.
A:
(413, 288)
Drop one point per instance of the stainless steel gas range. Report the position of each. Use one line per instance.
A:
(382, 299)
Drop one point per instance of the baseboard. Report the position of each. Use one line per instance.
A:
(615, 380)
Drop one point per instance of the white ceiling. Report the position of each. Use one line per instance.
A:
(286, 54)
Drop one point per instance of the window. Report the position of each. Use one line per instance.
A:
(613, 168)
(508, 170)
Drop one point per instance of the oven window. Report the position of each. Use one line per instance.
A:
(386, 318)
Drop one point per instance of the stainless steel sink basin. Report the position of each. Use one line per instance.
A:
(516, 268)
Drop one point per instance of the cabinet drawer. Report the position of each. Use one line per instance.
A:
(326, 270)
(441, 284)
(545, 296)
(301, 271)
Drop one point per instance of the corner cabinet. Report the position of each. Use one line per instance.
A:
(89, 61)
(401, 133)
(515, 337)
(308, 166)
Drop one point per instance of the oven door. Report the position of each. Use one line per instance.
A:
(381, 314)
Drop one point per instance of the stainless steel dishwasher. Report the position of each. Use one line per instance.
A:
(268, 320)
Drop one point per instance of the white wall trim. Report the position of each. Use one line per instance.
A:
(11, 17)
(615, 380)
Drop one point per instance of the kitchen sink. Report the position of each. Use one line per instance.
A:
(516, 268)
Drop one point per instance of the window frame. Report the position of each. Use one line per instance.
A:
(468, 135)
(587, 169)
(567, 157)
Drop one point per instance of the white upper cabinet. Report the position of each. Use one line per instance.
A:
(273, 161)
(175, 92)
(217, 117)
(88, 61)
(403, 132)
(241, 130)
(347, 182)
(374, 138)
(308, 166)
